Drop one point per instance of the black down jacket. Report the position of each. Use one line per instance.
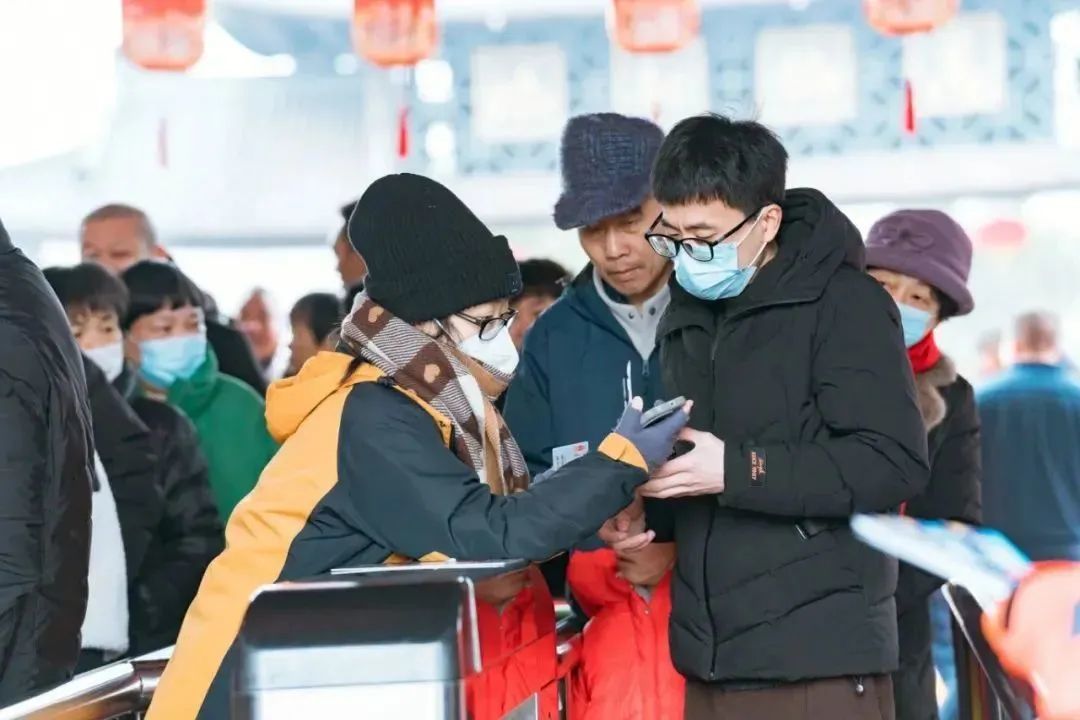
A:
(127, 453)
(805, 378)
(947, 404)
(189, 533)
(46, 475)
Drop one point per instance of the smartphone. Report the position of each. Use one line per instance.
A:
(661, 411)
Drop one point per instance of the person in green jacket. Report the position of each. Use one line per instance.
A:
(165, 338)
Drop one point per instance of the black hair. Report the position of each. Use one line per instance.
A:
(320, 312)
(88, 287)
(347, 210)
(544, 278)
(947, 307)
(154, 285)
(710, 157)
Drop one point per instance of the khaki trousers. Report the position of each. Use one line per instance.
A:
(833, 699)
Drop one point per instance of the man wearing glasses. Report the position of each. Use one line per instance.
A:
(804, 414)
(595, 348)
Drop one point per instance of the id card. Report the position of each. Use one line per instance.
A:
(562, 455)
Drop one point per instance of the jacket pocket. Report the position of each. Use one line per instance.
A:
(776, 573)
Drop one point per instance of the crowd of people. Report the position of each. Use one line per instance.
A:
(159, 462)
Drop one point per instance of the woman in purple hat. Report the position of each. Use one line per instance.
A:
(923, 258)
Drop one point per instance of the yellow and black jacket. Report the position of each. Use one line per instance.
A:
(365, 473)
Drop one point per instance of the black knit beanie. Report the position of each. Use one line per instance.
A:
(428, 255)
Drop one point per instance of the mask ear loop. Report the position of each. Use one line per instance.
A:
(763, 245)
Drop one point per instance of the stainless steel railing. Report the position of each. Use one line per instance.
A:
(984, 690)
(113, 691)
(126, 688)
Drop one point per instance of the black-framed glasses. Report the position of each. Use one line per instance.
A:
(701, 250)
(490, 327)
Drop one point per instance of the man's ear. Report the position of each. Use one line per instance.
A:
(772, 215)
(158, 252)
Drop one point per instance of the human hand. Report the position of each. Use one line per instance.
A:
(647, 565)
(501, 589)
(698, 472)
(626, 531)
(656, 441)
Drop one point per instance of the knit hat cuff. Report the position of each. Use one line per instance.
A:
(414, 298)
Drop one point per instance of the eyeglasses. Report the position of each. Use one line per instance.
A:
(700, 250)
(490, 327)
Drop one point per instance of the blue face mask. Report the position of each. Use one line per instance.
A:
(720, 277)
(166, 360)
(916, 323)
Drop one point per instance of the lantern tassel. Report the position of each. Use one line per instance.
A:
(909, 108)
(403, 133)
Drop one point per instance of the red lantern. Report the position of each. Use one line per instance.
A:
(1001, 234)
(394, 32)
(907, 17)
(904, 17)
(164, 34)
(655, 26)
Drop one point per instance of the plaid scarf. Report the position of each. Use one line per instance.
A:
(455, 384)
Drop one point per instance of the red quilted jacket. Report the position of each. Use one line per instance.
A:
(626, 671)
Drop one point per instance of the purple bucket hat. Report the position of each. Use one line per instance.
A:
(928, 245)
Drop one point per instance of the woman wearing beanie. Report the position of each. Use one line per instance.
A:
(922, 258)
(391, 447)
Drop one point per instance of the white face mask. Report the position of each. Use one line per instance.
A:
(110, 358)
(499, 352)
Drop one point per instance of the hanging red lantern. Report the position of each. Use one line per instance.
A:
(164, 34)
(655, 26)
(1001, 234)
(394, 32)
(907, 17)
(904, 17)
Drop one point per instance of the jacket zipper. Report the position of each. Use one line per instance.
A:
(708, 536)
(720, 333)
(708, 595)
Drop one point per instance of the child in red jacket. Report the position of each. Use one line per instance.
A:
(626, 671)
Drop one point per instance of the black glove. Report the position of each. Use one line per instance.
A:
(656, 441)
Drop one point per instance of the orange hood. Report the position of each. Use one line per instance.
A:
(290, 401)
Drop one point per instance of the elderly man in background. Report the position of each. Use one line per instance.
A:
(118, 236)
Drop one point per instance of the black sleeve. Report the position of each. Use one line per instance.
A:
(660, 516)
(234, 354)
(870, 455)
(127, 452)
(412, 495)
(190, 534)
(23, 477)
(954, 491)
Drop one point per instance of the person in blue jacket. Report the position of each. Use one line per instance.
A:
(1031, 461)
(595, 348)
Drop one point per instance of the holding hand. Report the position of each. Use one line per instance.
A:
(698, 472)
(656, 441)
(626, 532)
